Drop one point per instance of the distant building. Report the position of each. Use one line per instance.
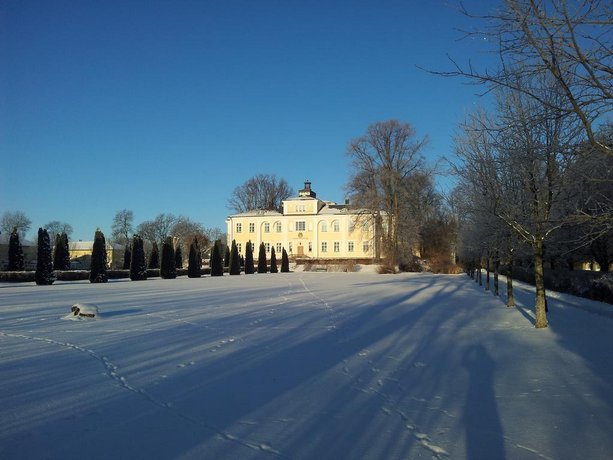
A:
(308, 228)
(81, 254)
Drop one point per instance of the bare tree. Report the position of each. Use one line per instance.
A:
(570, 42)
(263, 191)
(158, 229)
(385, 160)
(122, 226)
(15, 220)
(518, 160)
(55, 227)
(185, 230)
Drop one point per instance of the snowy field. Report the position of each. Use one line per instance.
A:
(301, 365)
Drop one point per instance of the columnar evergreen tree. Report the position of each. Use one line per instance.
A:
(262, 267)
(168, 269)
(226, 259)
(61, 254)
(154, 258)
(16, 261)
(235, 264)
(284, 262)
(249, 268)
(216, 262)
(138, 267)
(273, 261)
(178, 257)
(195, 260)
(97, 271)
(44, 266)
(127, 257)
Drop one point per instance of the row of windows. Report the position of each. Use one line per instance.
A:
(324, 247)
(300, 227)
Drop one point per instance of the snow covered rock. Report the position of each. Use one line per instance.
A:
(83, 310)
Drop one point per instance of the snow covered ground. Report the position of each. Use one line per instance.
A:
(301, 365)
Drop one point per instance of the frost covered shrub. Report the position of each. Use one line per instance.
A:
(602, 289)
(386, 269)
(17, 276)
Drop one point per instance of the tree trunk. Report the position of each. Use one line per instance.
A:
(496, 265)
(487, 272)
(510, 298)
(539, 279)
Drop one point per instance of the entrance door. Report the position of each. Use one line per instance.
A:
(300, 250)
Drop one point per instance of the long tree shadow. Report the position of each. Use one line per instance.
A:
(484, 435)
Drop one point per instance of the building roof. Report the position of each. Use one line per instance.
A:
(89, 245)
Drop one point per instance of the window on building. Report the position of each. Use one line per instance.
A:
(290, 248)
(267, 246)
(279, 248)
(266, 227)
(366, 226)
(336, 226)
(239, 227)
(350, 246)
(310, 246)
(251, 227)
(300, 226)
(365, 246)
(278, 225)
(324, 246)
(337, 246)
(324, 226)
(239, 247)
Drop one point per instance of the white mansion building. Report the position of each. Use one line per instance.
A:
(308, 227)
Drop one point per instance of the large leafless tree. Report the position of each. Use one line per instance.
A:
(570, 41)
(387, 164)
(262, 191)
(519, 160)
(122, 227)
(15, 220)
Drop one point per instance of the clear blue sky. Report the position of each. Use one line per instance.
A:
(166, 106)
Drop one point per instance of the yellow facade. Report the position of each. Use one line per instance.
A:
(308, 227)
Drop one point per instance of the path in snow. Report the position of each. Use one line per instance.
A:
(300, 365)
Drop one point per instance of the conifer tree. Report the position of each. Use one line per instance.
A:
(138, 267)
(195, 260)
(127, 257)
(284, 262)
(273, 261)
(97, 271)
(154, 257)
(216, 262)
(178, 257)
(262, 267)
(226, 259)
(66, 251)
(249, 268)
(44, 265)
(61, 254)
(168, 269)
(235, 264)
(16, 261)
